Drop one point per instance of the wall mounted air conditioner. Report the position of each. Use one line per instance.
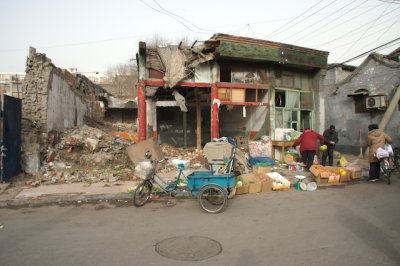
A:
(373, 102)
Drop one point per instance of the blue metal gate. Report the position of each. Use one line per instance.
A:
(11, 148)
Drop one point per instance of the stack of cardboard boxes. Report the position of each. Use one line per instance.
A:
(330, 174)
(255, 182)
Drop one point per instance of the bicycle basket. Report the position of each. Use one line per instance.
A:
(143, 169)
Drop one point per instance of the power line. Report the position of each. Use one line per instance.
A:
(383, 46)
(349, 32)
(348, 43)
(176, 15)
(315, 32)
(171, 16)
(315, 12)
(369, 27)
(316, 23)
(273, 33)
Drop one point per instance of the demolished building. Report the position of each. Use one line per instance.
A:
(53, 99)
(227, 86)
(355, 97)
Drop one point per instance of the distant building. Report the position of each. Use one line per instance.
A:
(11, 83)
(355, 97)
(94, 76)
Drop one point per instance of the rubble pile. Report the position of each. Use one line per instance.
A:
(85, 154)
(196, 157)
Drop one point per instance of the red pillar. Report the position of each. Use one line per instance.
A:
(141, 111)
(214, 112)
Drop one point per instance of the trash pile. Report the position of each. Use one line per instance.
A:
(195, 156)
(85, 154)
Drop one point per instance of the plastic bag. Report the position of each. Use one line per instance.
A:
(388, 148)
(342, 160)
(381, 153)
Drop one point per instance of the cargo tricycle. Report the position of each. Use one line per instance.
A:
(209, 186)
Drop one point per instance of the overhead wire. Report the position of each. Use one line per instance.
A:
(316, 23)
(362, 35)
(349, 32)
(394, 22)
(315, 32)
(348, 43)
(288, 23)
(178, 16)
(171, 16)
(322, 8)
(381, 47)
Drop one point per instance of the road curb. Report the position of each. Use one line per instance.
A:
(64, 199)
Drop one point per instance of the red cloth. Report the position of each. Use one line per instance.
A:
(308, 140)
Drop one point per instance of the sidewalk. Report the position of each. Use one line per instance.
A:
(65, 193)
(12, 196)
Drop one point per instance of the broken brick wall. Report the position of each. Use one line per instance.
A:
(53, 99)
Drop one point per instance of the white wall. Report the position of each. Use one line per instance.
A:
(66, 107)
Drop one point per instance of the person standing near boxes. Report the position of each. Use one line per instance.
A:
(376, 139)
(330, 140)
(308, 146)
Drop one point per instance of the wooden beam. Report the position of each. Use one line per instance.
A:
(198, 120)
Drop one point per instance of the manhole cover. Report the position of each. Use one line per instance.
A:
(189, 248)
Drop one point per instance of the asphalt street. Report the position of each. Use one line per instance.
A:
(349, 225)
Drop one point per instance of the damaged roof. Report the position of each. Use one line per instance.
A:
(249, 49)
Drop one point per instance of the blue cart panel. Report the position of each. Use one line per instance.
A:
(199, 179)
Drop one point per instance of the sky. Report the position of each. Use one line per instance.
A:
(96, 35)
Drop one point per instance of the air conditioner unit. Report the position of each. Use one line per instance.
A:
(375, 102)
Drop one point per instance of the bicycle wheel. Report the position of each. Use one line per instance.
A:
(142, 193)
(397, 162)
(385, 170)
(213, 199)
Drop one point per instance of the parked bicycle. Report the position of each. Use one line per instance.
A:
(148, 172)
(209, 187)
(385, 170)
(394, 160)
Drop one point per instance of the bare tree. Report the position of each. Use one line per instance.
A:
(122, 80)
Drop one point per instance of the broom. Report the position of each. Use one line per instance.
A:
(361, 155)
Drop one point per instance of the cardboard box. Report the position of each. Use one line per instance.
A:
(231, 95)
(266, 185)
(278, 182)
(247, 178)
(261, 169)
(345, 178)
(254, 187)
(224, 94)
(244, 189)
(238, 95)
(356, 174)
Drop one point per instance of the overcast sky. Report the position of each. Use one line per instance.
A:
(98, 34)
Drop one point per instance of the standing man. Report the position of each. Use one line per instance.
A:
(330, 140)
(308, 146)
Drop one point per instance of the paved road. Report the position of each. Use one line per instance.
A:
(353, 225)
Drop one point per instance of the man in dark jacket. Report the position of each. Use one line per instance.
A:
(308, 146)
(330, 140)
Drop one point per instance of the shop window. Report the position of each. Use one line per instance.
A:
(280, 99)
(292, 99)
(225, 73)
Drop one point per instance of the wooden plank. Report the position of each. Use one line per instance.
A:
(248, 51)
